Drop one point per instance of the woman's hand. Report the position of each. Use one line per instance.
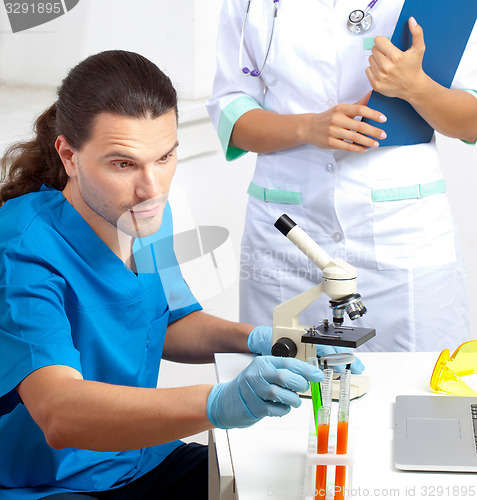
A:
(337, 128)
(396, 73)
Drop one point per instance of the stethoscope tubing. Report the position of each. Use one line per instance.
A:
(359, 21)
(255, 72)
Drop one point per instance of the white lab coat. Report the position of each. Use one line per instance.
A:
(410, 270)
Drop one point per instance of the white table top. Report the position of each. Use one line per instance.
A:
(269, 457)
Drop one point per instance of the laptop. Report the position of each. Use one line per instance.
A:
(435, 433)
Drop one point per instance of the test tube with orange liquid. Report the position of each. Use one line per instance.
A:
(342, 432)
(323, 432)
(322, 448)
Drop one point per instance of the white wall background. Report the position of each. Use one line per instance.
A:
(179, 35)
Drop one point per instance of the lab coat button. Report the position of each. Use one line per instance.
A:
(337, 237)
(330, 103)
(330, 168)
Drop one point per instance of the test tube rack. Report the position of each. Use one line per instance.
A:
(330, 459)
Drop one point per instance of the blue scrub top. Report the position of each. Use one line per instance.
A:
(67, 299)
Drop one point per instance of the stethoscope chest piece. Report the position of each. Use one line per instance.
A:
(359, 21)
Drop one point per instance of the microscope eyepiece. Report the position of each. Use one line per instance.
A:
(284, 224)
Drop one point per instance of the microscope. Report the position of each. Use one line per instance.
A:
(291, 339)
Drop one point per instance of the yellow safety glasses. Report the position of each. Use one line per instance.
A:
(449, 369)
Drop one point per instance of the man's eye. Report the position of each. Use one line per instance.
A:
(122, 164)
(165, 157)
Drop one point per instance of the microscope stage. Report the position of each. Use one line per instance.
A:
(344, 336)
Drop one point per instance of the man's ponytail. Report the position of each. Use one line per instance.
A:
(27, 165)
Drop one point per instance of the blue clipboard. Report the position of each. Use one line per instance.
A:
(447, 26)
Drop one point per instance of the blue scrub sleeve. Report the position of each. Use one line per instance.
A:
(34, 329)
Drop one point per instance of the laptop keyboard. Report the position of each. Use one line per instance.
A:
(473, 409)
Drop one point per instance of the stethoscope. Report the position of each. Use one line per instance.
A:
(359, 21)
(255, 72)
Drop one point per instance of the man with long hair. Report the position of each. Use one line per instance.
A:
(83, 328)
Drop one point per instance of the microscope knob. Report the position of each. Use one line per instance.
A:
(285, 348)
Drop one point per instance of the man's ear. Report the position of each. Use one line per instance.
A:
(68, 156)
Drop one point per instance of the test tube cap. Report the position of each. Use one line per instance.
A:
(338, 358)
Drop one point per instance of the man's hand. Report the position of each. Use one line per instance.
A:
(260, 340)
(267, 387)
(395, 73)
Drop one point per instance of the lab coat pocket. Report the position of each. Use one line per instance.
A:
(265, 250)
(413, 233)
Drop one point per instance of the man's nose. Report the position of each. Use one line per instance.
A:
(148, 184)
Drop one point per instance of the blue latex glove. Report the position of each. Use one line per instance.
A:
(267, 387)
(260, 340)
(356, 366)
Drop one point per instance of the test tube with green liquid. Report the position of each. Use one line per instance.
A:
(315, 392)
